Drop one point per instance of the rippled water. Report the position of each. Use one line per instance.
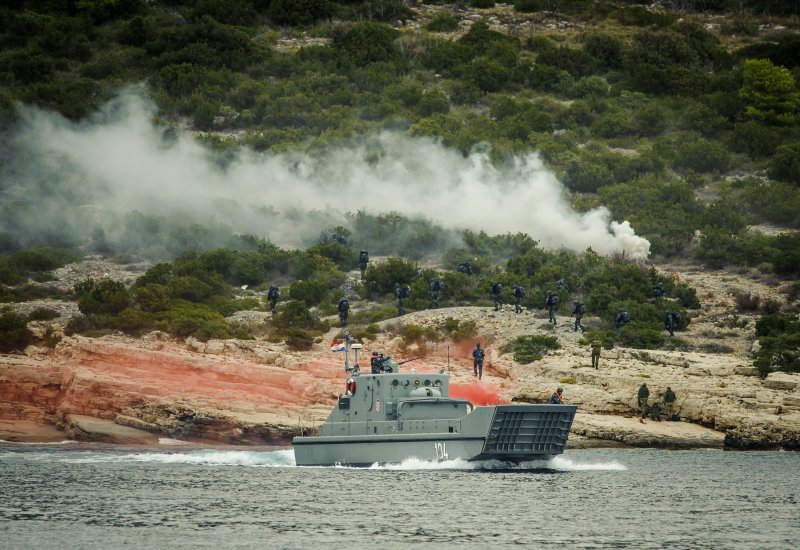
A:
(94, 497)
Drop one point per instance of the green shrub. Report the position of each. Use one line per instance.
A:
(299, 12)
(380, 279)
(42, 314)
(105, 297)
(14, 333)
(785, 164)
(779, 339)
(642, 338)
(295, 314)
(443, 22)
(458, 331)
(298, 339)
(527, 349)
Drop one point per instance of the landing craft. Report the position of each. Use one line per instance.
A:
(392, 416)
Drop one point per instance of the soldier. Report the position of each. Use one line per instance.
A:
(363, 260)
(344, 310)
(552, 304)
(401, 292)
(578, 309)
(669, 401)
(519, 294)
(596, 346)
(556, 398)
(658, 290)
(272, 297)
(655, 410)
(375, 362)
(621, 319)
(465, 267)
(435, 287)
(496, 290)
(562, 284)
(477, 361)
(642, 397)
(671, 321)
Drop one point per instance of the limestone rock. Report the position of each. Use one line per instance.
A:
(86, 428)
(781, 381)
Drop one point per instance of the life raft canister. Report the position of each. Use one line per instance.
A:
(350, 387)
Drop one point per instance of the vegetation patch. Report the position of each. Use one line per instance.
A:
(527, 349)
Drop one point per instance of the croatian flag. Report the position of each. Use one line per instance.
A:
(338, 345)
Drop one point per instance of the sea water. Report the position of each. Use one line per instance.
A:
(84, 496)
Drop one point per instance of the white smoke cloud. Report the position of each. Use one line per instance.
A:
(123, 163)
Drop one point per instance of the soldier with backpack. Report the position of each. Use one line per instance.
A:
(552, 305)
(519, 294)
(496, 290)
(621, 319)
(344, 310)
(578, 309)
(401, 293)
(272, 297)
(363, 260)
(435, 287)
(671, 322)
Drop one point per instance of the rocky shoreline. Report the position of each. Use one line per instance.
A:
(118, 389)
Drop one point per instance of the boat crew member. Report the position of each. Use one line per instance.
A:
(556, 399)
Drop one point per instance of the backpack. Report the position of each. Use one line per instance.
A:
(519, 292)
(580, 309)
(553, 300)
(344, 305)
(497, 288)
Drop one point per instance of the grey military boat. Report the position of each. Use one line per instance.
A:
(391, 416)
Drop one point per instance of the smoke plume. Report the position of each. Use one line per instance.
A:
(90, 174)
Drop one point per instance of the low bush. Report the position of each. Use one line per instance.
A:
(458, 331)
(527, 349)
(746, 301)
(443, 22)
(14, 333)
(42, 314)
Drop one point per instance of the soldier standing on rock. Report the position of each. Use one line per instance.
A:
(669, 401)
(642, 396)
(596, 346)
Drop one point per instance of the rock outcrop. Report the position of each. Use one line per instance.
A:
(255, 392)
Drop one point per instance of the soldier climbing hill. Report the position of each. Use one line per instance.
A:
(552, 302)
(344, 310)
(496, 290)
(578, 309)
(519, 294)
(272, 297)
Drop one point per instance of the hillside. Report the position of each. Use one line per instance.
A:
(164, 164)
(260, 393)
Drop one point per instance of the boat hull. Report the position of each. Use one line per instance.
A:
(510, 433)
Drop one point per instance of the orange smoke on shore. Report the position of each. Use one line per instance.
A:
(478, 393)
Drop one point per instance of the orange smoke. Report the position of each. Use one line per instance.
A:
(477, 393)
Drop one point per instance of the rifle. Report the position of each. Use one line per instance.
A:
(408, 360)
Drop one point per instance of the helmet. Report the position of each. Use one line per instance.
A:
(559, 390)
(478, 344)
(374, 353)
